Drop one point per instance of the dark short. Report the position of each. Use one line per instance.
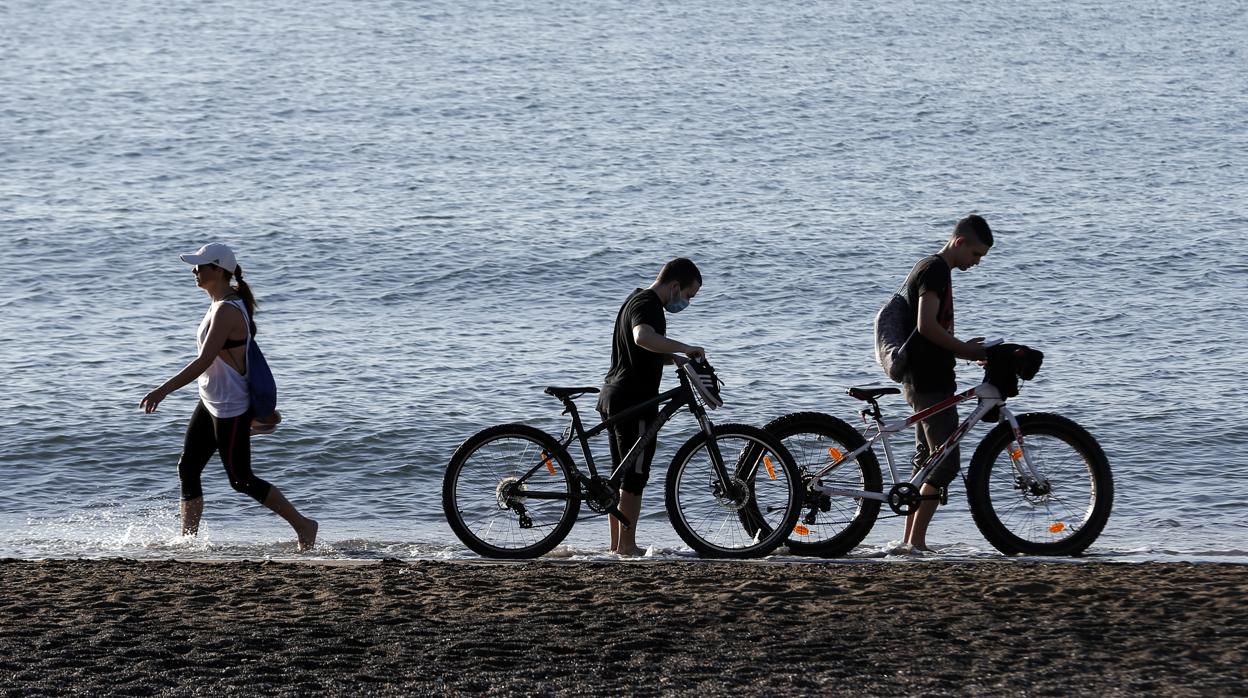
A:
(931, 433)
(624, 436)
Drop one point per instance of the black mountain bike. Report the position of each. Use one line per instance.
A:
(512, 491)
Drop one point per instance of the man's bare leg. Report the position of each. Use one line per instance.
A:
(916, 523)
(630, 507)
(304, 527)
(614, 524)
(192, 512)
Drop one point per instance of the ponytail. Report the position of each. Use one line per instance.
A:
(249, 299)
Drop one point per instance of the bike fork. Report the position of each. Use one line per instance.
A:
(717, 458)
(1020, 458)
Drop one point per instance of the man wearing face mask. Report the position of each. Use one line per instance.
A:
(639, 349)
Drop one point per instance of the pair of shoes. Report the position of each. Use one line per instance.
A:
(267, 425)
(704, 382)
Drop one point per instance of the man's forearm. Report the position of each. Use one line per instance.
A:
(942, 338)
(662, 345)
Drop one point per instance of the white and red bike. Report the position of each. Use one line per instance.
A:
(1038, 484)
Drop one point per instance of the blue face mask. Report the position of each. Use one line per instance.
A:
(677, 305)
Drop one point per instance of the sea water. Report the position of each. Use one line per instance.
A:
(441, 205)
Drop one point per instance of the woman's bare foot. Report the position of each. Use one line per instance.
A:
(307, 534)
(630, 552)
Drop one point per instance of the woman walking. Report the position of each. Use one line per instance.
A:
(222, 421)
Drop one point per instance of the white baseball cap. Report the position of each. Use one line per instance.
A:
(213, 253)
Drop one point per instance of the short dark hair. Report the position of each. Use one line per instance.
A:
(681, 270)
(974, 226)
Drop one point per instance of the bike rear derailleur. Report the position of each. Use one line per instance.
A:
(510, 495)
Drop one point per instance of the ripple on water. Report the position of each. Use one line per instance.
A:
(447, 217)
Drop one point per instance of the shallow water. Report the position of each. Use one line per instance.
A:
(441, 206)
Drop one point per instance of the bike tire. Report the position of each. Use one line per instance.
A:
(734, 525)
(1064, 521)
(833, 526)
(484, 518)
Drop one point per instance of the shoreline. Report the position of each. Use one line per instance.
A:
(607, 559)
(563, 627)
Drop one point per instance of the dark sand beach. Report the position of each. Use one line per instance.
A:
(643, 628)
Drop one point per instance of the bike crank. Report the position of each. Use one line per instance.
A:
(600, 495)
(904, 498)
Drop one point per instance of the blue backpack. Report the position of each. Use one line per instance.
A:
(260, 383)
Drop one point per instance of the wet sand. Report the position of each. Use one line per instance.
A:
(637, 628)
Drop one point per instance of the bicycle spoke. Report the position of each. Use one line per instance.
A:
(1049, 517)
(484, 494)
(747, 512)
(829, 524)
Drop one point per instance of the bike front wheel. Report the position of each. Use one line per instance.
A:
(510, 492)
(1062, 515)
(829, 525)
(734, 496)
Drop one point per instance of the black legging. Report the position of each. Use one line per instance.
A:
(229, 436)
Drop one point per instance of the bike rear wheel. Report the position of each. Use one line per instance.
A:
(1062, 519)
(510, 492)
(829, 525)
(754, 514)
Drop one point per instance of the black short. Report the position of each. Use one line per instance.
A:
(623, 437)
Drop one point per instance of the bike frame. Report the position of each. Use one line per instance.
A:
(676, 398)
(989, 397)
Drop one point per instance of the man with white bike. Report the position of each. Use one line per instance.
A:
(931, 354)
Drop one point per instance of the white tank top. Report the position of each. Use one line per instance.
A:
(222, 389)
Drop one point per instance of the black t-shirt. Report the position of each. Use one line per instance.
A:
(931, 367)
(635, 372)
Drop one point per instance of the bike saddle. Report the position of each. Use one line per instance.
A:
(568, 392)
(868, 394)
